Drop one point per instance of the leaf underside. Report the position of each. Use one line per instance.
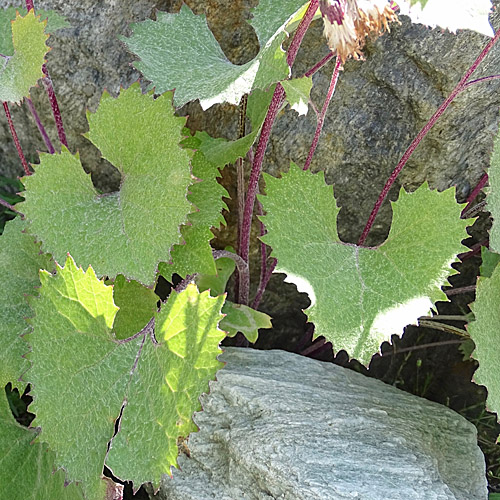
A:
(361, 296)
(179, 51)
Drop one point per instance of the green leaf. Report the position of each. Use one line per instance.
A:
(239, 318)
(28, 468)
(169, 379)
(179, 51)
(82, 377)
(54, 22)
(22, 70)
(450, 14)
(493, 195)
(137, 305)
(128, 232)
(194, 255)
(20, 261)
(298, 92)
(222, 151)
(244, 319)
(217, 282)
(489, 262)
(361, 296)
(485, 334)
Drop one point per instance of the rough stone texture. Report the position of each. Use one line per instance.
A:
(277, 425)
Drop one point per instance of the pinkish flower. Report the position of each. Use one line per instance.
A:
(348, 22)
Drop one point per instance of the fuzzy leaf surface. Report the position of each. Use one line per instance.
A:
(20, 261)
(130, 231)
(361, 296)
(179, 51)
(493, 195)
(222, 151)
(194, 255)
(168, 381)
(54, 22)
(137, 305)
(22, 70)
(82, 376)
(485, 334)
(298, 93)
(216, 283)
(27, 468)
(244, 319)
(450, 14)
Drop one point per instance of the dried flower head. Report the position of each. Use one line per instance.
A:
(348, 22)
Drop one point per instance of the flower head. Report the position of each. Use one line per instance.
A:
(348, 22)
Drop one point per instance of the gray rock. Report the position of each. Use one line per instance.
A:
(277, 425)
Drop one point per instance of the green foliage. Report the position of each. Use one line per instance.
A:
(493, 198)
(179, 51)
(54, 22)
(28, 468)
(80, 371)
(21, 70)
(131, 231)
(194, 254)
(20, 261)
(484, 332)
(222, 151)
(298, 91)
(361, 296)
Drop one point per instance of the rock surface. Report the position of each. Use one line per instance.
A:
(277, 425)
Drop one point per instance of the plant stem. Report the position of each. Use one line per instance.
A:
(16, 139)
(482, 182)
(49, 88)
(276, 102)
(406, 156)
(457, 291)
(481, 80)
(40, 126)
(321, 117)
(263, 283)
(242, 267)
(422, 346)
(319, 64)
(9, 206)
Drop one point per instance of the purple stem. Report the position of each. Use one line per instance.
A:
(49, 87)
(482, 182)
(242, 266)
(41, 128)
(276, 102)
(320, 64)
(263, 283)
(321, 117)
(481, 80)
(16, 139)
(406, 156)
(8, 205)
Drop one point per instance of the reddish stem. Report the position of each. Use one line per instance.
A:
(263, 283)
(8, 205)
(319, 64)
(40, 126)
(481, 80)
(49, 87)
(16, 139)
(480, 185)
(321, 117)
(276, 102)
(406, 156)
